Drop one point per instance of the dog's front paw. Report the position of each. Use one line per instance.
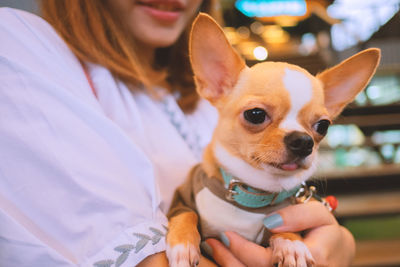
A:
(291, 253)
(183, 255)
(183, 241)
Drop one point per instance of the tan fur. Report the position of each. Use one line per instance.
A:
(223, 79)
(209, 163)
(259, 90)
(350, 76)
(290, 236)
(183, 229)
(204, 77)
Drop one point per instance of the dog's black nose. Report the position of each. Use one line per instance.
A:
(300, 144)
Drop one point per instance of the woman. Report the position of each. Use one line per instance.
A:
(100, 123)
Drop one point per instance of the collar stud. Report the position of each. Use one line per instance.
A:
(230, 193)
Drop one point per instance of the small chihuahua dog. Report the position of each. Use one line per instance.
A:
(272, 118)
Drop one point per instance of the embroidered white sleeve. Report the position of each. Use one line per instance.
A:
(131, 246)
(74, 188)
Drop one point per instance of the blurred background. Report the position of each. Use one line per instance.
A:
(360, 157)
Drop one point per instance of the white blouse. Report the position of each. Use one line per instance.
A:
(83, 180)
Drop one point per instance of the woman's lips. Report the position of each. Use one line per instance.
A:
(164, 11)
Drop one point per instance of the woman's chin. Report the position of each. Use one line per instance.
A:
(159, 39)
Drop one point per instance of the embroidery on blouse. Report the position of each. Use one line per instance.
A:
(126, 249)
(178, 120)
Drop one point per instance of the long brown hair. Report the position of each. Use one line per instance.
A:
(95, 35)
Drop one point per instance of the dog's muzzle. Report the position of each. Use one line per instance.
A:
(299, 144)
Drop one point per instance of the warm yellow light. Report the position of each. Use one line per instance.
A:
(275, 34)
(231, 35)
(257, 27)
(260, 53)
(286, 21)
(246, 48)
(243, 32)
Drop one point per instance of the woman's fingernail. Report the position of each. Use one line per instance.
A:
(273, 221)
(206, 248)
(224, 239)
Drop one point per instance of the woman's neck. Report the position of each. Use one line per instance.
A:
(146, 54)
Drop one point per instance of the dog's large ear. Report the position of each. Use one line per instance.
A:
(216, 65)
(343, 82)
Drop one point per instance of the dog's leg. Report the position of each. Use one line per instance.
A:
(183, 240)
(288, 249)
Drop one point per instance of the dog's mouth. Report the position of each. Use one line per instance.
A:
(289, 166)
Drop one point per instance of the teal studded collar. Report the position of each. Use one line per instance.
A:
(250, 197)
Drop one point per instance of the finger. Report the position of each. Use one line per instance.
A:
(222, 255)
(248, 252)
(338, 247)
(296, 218)
(204, 262)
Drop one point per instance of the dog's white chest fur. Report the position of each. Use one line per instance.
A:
(217, 216)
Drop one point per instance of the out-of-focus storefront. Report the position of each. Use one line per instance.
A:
(360, 157)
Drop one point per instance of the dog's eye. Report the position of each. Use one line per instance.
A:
(321, 127)
(255, 115)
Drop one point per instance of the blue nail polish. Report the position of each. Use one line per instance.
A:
(224, 239)
(273, 221)
(206, 248)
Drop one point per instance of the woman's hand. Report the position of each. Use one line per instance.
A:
(329, 243)
(160, 260)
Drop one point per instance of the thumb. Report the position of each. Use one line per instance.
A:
(247, 252)
(220, 253)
